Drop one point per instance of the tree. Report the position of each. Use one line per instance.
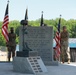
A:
(2, 40)
(70, 24)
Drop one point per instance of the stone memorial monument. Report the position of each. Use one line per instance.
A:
(27, 59)
(38, 39)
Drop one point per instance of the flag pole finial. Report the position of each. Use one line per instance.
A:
(60, 15)
(42, 12)
(8, 1)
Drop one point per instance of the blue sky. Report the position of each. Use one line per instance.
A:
(52, 9)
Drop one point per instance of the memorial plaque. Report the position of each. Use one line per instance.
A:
(24, 65)
(38, 39)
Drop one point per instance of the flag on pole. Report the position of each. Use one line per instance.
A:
(42, 23)
(26, 16)
(57, 39)
(5, 25)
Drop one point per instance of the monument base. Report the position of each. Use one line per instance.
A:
(51, 63)
(26, 53)
(29, 65)
(22, 53)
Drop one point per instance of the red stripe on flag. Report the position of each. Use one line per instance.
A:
(57, 48)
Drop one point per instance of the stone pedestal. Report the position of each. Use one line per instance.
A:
(22, 53)
(29, 65)
(26, 53)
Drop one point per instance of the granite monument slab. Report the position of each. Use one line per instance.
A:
(38, 39)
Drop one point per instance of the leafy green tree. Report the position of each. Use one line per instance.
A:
(70, 24)
(2, 40)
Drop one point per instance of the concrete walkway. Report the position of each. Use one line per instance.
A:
(62, 69)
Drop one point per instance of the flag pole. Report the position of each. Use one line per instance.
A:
(60, 20)
(59, 34)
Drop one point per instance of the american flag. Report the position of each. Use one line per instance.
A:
(5, 25)
(57, 39)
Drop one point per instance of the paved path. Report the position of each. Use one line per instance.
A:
(62, 69)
